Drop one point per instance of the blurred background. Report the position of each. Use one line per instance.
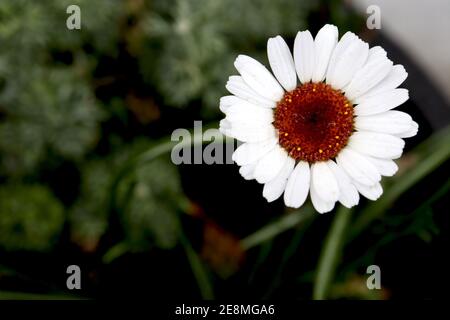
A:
(86, 178)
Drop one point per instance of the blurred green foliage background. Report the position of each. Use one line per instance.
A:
(82, 110)
(58, 93)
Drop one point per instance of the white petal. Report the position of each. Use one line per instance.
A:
(237, 86)
(297, 186)
(395, 78)
(377, 52)
(372, 192)
(304, 55)
(228, 101)
(391, 122)
(274, 188)
(346, 60)
(385, 167)
(224, 126)
(358, 167)
(249, 133)
(348, 195)
(247, 171)
(247, 113)
(250, 152)
(281, 62)
(381, 102)
(258, 78)
(324, 182)
(324, 45)
(270, 164)
(340, 47)
(411, 132)
(319, 204)
(378, 145)
(375, 70)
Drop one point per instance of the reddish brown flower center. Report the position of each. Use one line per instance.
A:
(314, 122)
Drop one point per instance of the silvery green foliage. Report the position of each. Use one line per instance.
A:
(31, 218)
(88, 216)
(48, 109)
(147, 199)
(192, 43)
(41, 24)
(90, 213)
(151, 210)
(53, 111)
(48, 106)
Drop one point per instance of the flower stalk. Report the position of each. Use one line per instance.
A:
(331, 254)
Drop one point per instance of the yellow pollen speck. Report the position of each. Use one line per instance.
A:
(320, 150)
(286, 134)
(329, 146)
(337, 143)
(345, 112)
(346, 104)
(298, 148)
(337, 137)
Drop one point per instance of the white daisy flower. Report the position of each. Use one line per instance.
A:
(333, 134)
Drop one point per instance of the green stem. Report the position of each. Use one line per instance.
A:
(331, 253)
(273, 229)
(200, 274)
(115, 252)
(14, 295)
(290, 251)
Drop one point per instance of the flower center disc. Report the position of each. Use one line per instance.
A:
(314, 122)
